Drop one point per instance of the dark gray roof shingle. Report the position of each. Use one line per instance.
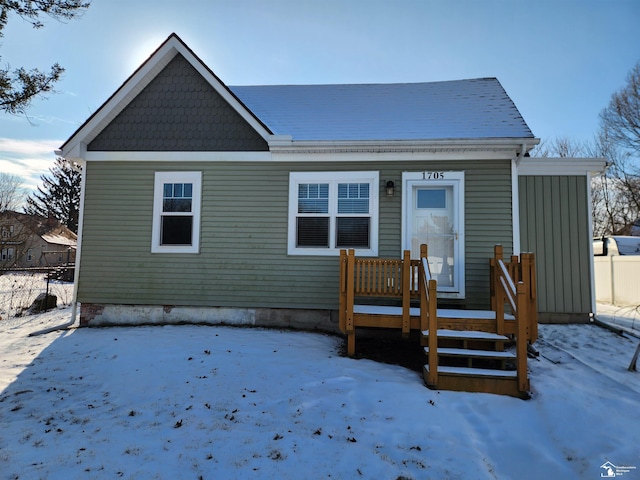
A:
(461, 109)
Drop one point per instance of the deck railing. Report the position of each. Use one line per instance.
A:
(429, 313)
(376, 278)
(510, 289)
(519, 269)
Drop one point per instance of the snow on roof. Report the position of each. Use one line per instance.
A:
(627, 245)
(58, 239)
(460, 109)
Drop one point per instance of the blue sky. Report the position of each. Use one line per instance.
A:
(559, 60)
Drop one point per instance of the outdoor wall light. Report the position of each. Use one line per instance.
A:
(390, 188)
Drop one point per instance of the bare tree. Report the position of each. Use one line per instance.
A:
(614, 206)
(621, 117)
(619, 140)
(10, 191)
(563, 147)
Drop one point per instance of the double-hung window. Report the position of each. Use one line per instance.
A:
(176, 212)
(329, 211)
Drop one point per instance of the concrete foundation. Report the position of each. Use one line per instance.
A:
(97, 315)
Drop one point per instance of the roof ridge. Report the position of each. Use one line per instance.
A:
(360, 84)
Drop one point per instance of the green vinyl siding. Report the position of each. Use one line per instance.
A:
(243, 259)
(554, 224)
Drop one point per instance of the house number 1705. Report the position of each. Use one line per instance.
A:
(434, 176)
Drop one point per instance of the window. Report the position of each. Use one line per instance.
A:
(329, 211)
(7, 231)
(176, 212)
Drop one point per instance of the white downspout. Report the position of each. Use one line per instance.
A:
(74, 300)
(592, 274)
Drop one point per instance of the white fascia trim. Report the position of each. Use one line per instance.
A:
(178, 156)
(397, 150)
(291, 157)
(388, 156)
(561, 166)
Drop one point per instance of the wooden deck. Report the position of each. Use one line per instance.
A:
(467, 351)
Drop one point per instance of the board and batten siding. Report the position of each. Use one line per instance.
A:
(554, 224)
(243, 259)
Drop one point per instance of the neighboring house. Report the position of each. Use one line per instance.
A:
(207, 202)
(34, 241)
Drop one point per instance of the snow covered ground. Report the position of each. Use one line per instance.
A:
(19, 290)
(626, 317)
(190, 402)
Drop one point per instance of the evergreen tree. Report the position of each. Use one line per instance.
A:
(20, 86)
(59, 195)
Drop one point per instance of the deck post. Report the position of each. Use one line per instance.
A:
(343, 292)
(493, 275)
(529, 277)
(432, 379)
(498, 293)
(406, 294)
(424, 325)
(349, 326)
(521, 336)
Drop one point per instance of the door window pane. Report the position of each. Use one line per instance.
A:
(432, 198)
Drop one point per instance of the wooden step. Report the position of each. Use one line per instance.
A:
(449, 313)
(474, 372)
(461, 379)
(466, 352)
(467, 335)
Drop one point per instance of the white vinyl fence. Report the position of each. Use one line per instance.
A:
(617, 279)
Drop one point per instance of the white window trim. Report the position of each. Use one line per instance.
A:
(161, 178)
(333, 178)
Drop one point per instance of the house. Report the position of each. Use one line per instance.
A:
(207, 202)
(34, 241)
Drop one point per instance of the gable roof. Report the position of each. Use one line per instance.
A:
(476, 109)
(49, 229)
(138, 81)
(178, 111)
(462, 109)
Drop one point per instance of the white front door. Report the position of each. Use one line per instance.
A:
(433, 213)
